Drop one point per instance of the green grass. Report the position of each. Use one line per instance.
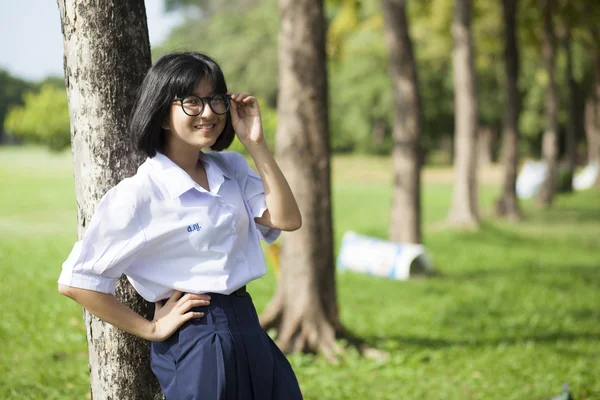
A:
(513, 313)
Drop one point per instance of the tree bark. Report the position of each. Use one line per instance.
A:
(405, 216)
(107, 53)
(571, 131)
(592, 132)
(550, 138)
(304, 308)
(592, 115)
(464, 211)
(508, 204)
(486, 143)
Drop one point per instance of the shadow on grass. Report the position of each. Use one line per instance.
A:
(434, 343)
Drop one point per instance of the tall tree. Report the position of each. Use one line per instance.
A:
(107, 53)
(508, 205)
(571, 128)
(405, 221)
(464, 210)
(592, 104)
(304, 308)
(550, 137)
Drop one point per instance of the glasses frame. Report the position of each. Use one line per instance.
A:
(204, 100)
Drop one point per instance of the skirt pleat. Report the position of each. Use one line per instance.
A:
(225, 355)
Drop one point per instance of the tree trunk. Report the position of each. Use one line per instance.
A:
(592, 115)
(378, 133)
(571, 132)
(464, 211)
(508, 204)
(405, 216)
(107, 53)
(592, 128)
(304, 307)
(486, 143)
(550, 138)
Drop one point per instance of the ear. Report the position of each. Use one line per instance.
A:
(165, 124)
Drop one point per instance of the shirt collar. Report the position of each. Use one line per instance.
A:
(177, 181)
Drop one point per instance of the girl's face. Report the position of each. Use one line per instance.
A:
(183, 131)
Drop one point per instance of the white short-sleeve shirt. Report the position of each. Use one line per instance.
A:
(165, 232)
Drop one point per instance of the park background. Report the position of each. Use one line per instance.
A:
(513, 311)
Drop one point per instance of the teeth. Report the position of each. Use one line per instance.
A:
(204, 126)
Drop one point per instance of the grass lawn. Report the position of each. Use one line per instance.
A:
(513, 314)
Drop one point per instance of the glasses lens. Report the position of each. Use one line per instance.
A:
(219, 103)
(192, 105)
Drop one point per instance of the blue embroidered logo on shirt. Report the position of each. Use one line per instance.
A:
(194, 227)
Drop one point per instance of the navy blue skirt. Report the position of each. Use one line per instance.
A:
(225, 355)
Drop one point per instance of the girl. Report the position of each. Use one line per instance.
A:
(186, 231)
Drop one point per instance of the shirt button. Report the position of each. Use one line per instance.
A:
(232, 230)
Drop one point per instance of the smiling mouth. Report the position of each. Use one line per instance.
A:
(205, 127)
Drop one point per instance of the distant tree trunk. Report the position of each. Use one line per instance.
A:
(592, 131)
(571, 132)
(464, 211)
(592, 110)
(378, 133)
(508, 204)
(446, 148)
(550, 138)
(304, 308)
(405, 221)
(486, 143)
(107, 53)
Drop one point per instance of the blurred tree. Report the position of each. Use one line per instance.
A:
(570, 141)
(44, 118)
(11, 92)
(550, 149)
(590, 14)
(106, 59)
(464, 209)
(304, 308)
(507, 205)
(405, 220)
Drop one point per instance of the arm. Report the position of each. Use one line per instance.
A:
(167, 318)
(283, 212)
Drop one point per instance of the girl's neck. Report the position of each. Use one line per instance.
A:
(186, 159)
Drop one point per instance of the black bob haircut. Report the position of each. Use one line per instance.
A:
(171, 76)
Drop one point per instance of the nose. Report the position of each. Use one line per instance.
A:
(207, 112)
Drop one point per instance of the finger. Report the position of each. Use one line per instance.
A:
(190, 315)
(202, 296)
(184, 299)
(249, 99)
(157, 306)
(193, 304)
(175, 296)
(234, 112)
(239, 97)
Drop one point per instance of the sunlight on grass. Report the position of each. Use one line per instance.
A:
(512, 314)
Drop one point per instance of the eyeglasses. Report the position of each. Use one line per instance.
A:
(194, 105)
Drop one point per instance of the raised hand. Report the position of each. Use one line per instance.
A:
(246, 119)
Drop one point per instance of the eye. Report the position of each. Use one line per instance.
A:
(192, 101)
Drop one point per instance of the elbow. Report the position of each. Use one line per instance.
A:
(66, 290)
(293, 224)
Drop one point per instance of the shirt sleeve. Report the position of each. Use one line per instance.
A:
(109, 246)
(254, 194)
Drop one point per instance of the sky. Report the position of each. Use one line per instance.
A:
(31, 44)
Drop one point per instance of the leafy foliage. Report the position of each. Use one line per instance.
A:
(44, 118)
(243, 37)
(11, 92)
